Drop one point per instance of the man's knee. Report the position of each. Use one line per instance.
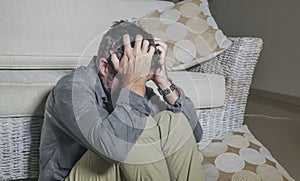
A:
(175, 131)
(170, 121)
(170, 116)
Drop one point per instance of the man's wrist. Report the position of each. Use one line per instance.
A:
(137, 87)
(164, 84)
(167, 91)
(170, 93)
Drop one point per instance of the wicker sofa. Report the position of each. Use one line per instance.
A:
(19, 149)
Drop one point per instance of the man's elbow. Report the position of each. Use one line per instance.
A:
(114, 150)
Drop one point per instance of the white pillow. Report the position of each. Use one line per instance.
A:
(205, 90)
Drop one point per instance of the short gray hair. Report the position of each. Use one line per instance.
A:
(113, 40)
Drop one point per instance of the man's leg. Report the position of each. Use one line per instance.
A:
(145, 160)
(167, 135)
(179, 147)
(92, 167)
(166, 150)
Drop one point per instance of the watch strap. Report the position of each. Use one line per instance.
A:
(168, 90)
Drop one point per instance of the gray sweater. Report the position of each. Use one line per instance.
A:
(80, 116)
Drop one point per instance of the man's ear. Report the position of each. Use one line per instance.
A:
(103, 67)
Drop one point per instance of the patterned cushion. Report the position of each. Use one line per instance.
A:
(189, 30)
(240, 156)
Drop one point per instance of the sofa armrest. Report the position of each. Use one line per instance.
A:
(237, 65)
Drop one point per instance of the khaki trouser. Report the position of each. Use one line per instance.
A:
(166, 150)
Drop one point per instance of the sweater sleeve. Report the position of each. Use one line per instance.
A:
(109, 134)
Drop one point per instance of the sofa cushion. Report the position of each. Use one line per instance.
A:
(60, 34)
(24, 93)
(189, 30)
(206, 90)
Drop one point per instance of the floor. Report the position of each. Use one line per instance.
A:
(277, 125)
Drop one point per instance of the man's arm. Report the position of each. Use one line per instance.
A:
(109, 134)
(182, 104)
(176, 100)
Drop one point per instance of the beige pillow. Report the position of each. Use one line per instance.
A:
(240, 156)
(189, 30)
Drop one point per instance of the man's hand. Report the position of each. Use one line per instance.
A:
(135, 64)
(160, 77)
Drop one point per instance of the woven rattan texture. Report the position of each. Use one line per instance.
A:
(210, 120)
(237, 65)
(20, 137)
(19, 148)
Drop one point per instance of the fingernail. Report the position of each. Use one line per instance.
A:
(139, 36)
(111, 52)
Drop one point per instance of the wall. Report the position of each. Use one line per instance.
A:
(277, 23)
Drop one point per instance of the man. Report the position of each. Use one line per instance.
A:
(102, 122)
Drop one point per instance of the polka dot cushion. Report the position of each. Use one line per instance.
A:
(189, 30)
(239, 156)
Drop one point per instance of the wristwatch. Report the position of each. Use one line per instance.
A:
(167, 90)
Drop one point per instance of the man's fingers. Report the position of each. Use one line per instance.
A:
(115, 61)
(127, 45)
(145, 46)
(138, 43)
(161, 49)
(126, 41)
(160, 43)
(151, 50)
(162, 54)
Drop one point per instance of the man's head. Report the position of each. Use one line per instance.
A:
(113, 41)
